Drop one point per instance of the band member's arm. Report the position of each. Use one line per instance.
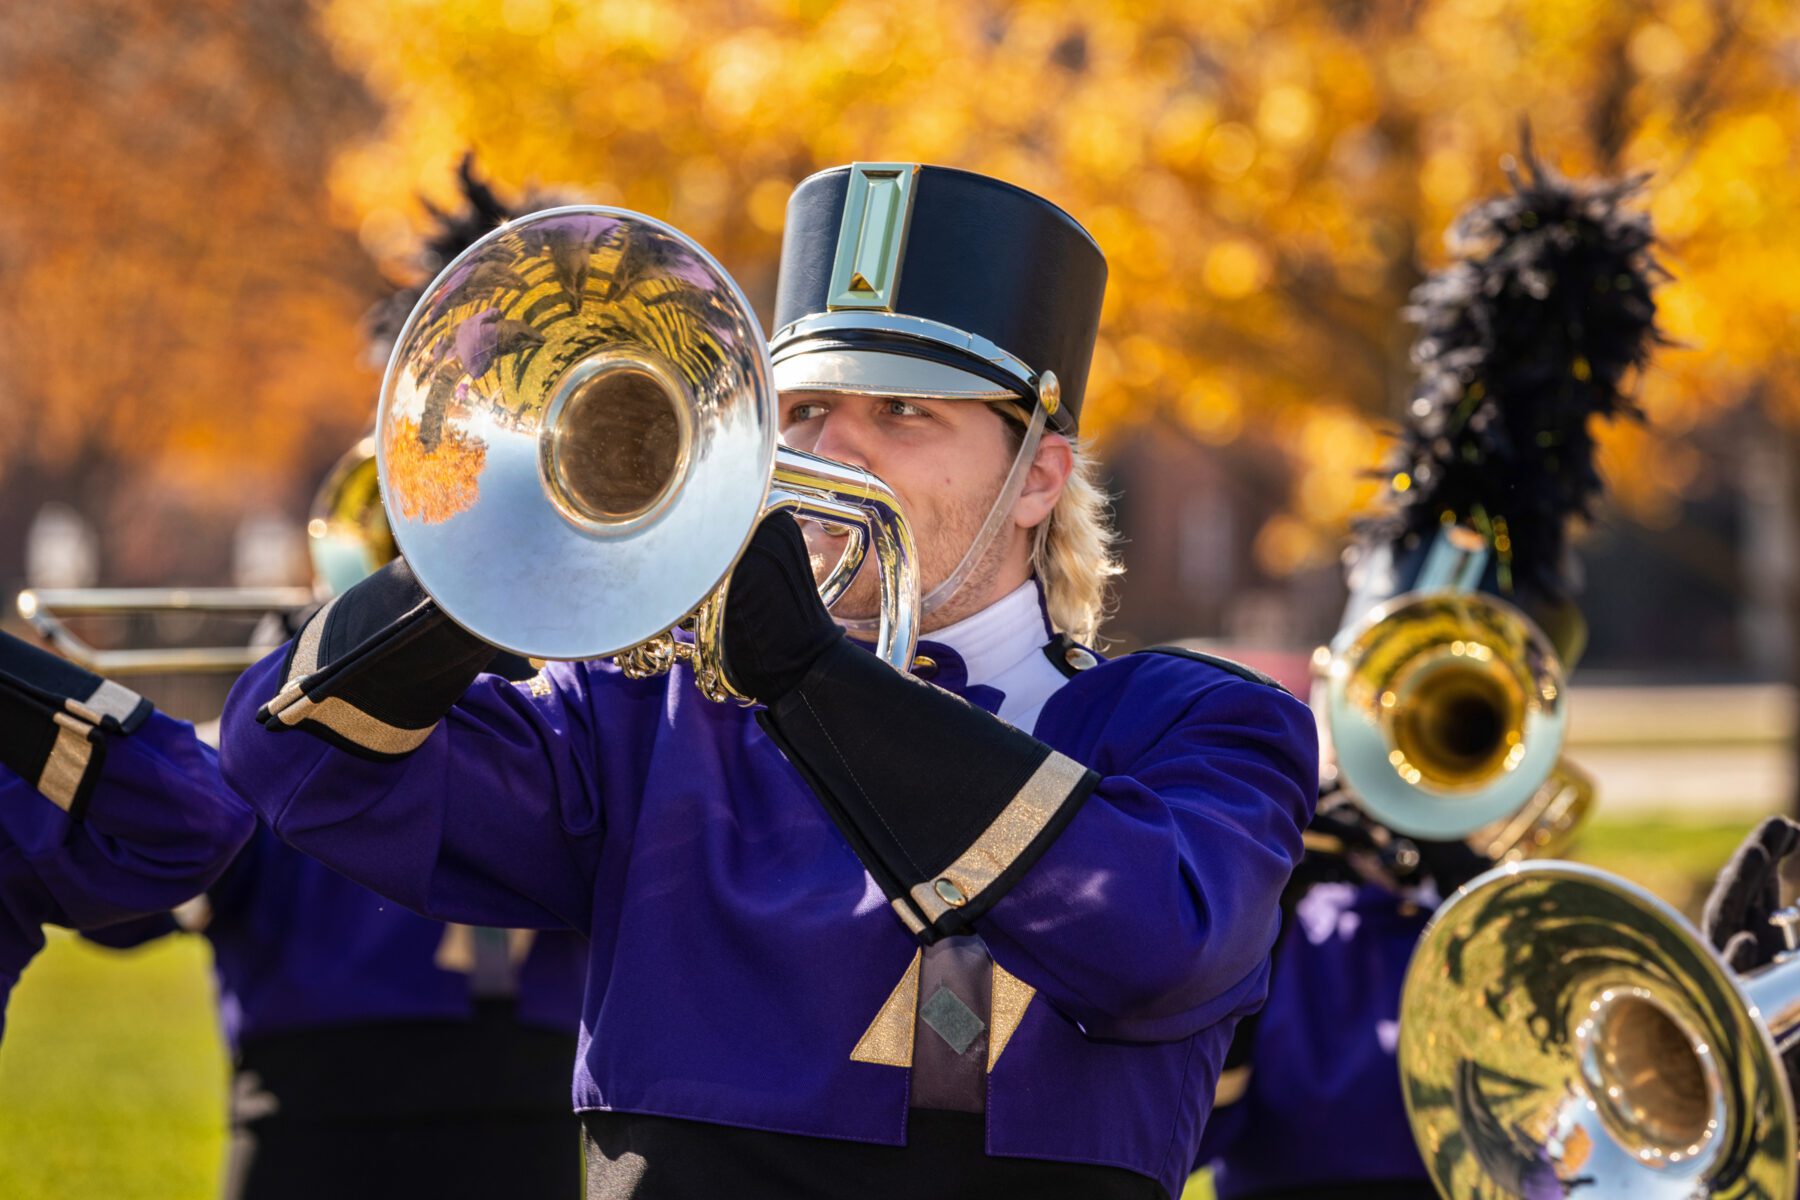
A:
(118, 809)
(374, 670)
(1153, 915)
(1137, 891)
(458, 794)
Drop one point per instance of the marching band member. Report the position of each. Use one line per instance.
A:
(983, 929)
(108, 809)
(376, 1052)
(1532, 332)
(1744, 896)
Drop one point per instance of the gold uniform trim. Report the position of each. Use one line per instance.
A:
(888, 1041)
(292, 705)
(908, 918)
(1010, 998)
(1321, 843)
(1232, 1085)
(456, 948)
(306, 653)
(67, 762)
(1018, 824)
(351, 723)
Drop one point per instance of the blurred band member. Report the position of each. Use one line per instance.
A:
(378, 1053)
(108, 809)
(1525, 339)
(1747, 892)
(981, 930)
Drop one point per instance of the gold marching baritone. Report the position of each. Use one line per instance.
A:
(1565, 1033)
(1448, 708)
(347, 537)
(581, 406)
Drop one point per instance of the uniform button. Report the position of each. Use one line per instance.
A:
(925, 665)
(950, 893)
(1080, 659)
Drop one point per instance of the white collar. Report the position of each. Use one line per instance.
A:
(1000, 636)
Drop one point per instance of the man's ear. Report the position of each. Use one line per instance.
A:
(1044, 481)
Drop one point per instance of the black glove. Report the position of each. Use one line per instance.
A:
(775, 626)
(376, 669)
(55, 719)
(1747, 893)
(1450, 864)
(1344, 843)
(876, 747)
(1339, 837)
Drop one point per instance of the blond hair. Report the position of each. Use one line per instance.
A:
(1072, 553)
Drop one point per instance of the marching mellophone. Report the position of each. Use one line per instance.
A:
(577, 436)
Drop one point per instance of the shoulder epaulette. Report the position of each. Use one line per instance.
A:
(1213, 660)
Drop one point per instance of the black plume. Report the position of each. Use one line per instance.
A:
(1534, 329)
(482, 211)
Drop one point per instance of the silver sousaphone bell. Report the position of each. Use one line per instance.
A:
(577, 436)
(1563, 1033)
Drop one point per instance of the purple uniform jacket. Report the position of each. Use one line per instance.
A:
(159, 828)
(739, 950)
(1323, 1104)
(297, 946)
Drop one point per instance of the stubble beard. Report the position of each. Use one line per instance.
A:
(943, 535)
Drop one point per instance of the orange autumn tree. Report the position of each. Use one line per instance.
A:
(1268, 180)
(179, 329)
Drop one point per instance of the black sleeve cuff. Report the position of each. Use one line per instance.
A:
(946, 805)
(59, 684)
(375, 670)
(55, 719)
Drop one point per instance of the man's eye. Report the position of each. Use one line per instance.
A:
(804, 412)
(901, 408)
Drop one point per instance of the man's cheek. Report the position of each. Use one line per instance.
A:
(823, 548)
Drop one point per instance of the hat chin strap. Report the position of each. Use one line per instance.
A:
(866, 627)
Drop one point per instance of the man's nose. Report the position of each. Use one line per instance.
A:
(844, 436)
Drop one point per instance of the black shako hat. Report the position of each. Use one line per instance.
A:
(946, 267)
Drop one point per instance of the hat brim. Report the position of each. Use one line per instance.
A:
(876, 373)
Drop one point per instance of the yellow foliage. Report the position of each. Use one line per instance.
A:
(1268, 182)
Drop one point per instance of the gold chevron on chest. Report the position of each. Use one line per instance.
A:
(888, 1041)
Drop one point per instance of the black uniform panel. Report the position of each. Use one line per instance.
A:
(392, 1110)
(632, 1157)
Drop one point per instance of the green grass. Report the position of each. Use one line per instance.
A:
(112, 1079)
(1675, 859)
